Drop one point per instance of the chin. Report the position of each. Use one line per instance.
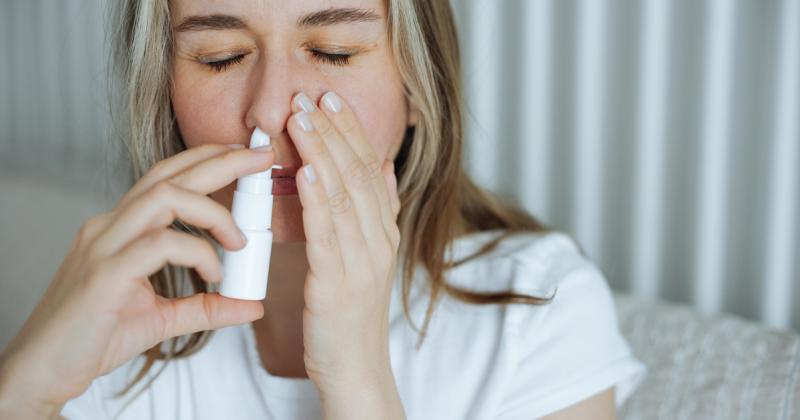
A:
(287, 219)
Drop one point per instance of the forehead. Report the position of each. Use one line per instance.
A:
(271, 11)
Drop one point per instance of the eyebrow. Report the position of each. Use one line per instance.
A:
(327, 17)
(212, 22)
(333, 16)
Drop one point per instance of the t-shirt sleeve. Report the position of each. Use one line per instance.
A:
(571, 348)
(88, 405)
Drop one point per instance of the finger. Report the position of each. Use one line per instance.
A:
(173, 165)
(346, 123)
(391, 187)
(152, 251)
(219, 171)
(159, 207)
(206, 311)
(313, 150)
(321, 241)
(357, 176)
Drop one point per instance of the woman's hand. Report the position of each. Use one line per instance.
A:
(350, 208)
(100, 310)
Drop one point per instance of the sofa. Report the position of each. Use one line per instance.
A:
(708, 367)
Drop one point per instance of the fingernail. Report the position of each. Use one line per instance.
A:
(332, 102)
(304, 102)
(305, 122)
(244, 237)
(310, 174)
(264, 148)
(235, 146)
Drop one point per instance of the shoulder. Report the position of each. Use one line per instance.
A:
(528, 262)
(528, 360)
(540, 264)
(569, 348)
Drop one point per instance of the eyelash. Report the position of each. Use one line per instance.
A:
(338, 59)
(222, 65)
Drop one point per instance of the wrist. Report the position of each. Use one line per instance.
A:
(367, 377)
(15, 403)
(374, 396)
(19, 408)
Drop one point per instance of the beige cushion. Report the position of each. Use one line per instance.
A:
(702, 367)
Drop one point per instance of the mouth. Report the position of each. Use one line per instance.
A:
(283, 182)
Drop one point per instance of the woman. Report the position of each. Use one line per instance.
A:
(377, 228)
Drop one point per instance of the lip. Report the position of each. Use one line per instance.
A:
(283, 182)
(284, 186)
(284, 172)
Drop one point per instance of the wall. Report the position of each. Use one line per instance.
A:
(662, 133)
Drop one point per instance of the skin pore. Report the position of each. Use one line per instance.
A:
(237, 65)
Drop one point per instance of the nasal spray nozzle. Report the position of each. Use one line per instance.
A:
(246, 271)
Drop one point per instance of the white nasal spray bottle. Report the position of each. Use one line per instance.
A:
(246, 271)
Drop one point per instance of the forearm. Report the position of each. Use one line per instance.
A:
(378, 401)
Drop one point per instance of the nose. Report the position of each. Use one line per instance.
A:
(274, 81)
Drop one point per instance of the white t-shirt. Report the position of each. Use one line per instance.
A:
(506, 362)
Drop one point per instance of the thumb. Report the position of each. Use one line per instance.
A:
(206, 311)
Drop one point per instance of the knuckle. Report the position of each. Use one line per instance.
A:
(317, 148)
(373, 167)
(161, 194)
(90, 227)
(327, 240)
(162, 190)
(350, 127)
(339, 202)
(94, 252)
(358, 173)
(161, 239)
(325, 129)
(160, 169)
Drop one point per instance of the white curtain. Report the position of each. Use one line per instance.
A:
(662, 133)
(53, 96)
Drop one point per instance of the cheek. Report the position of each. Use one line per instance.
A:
(205, 113)
(383, 118)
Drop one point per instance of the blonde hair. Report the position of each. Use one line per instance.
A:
(439, 201)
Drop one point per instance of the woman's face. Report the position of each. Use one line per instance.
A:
(238, 64)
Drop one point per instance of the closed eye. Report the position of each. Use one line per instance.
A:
(335, 59)
(224, 64)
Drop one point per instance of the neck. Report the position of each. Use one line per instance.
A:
(279, 334)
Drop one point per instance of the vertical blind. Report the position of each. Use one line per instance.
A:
(53, 96)
(663, 134)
